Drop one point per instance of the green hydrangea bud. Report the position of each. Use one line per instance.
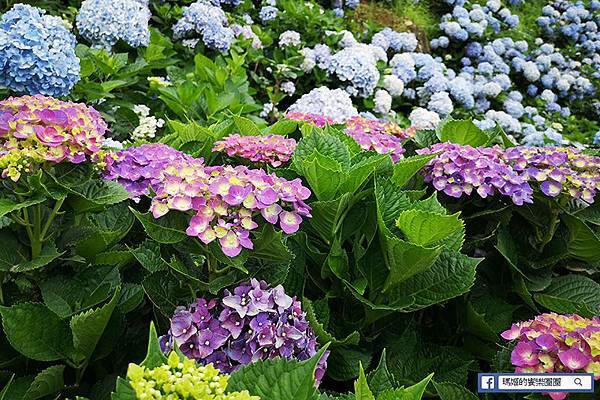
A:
(182, 379)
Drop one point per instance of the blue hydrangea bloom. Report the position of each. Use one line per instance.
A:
(268, 13)
(37, 53)
(357, 66)
(104, 22)
(206, 21)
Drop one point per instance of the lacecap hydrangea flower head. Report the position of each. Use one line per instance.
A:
(37, 53)
(226, 201)
(274, 150)
(253, 322)
(104, 22)
(181, 378)
(556, 343)
(38, 129)
(384, 137)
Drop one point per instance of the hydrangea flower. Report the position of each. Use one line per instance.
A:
(288, 88)
(393, 85)
(38, 129)
(268, 13)
(422, 119)
(334, 104)
(558, 170)
(357, 66)
(289, 38)
(381, 136)
(274, 150)
(37, 53)
(181, 378)
(104, 22)
(315, 119)
(206, 21)
(383, 102)
(225, 201)
(250, 323)
(148, 124)
(396, 41)
(459, 170)
(554, 343)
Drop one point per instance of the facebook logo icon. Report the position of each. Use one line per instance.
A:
(487, 382)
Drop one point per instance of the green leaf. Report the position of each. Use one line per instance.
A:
(343, 362)
(269, 246)
(168, 229)
(49, 253)
(88, 327)
(425, 228)
(100, 192)
(381, 378)
(166, 292)
(36, 332)
(583, 243)
(67, 294)
(7, 205)
(451, 275)
(326, 145)
(7, 387)
(322, 334)
(46, 383)
(406, 168)
(149, 256)
(453, 391)
(390, 203)
(361, 387)
(154, 356)
(405, 260)
(123, 391)
(463, 132)
(12, 252)
(324, 176)
(414, 392)
(571, 294)
(246, 127)
(327, 216)
(360, 173)
(283, 127)
(278, 378)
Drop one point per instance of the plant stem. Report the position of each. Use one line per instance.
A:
(36, 242)
(53, 215)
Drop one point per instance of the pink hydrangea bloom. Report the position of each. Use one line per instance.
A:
(38, 129)
(315, 119)
(225, 201)
(271, 149)
(556, 343)
(381, 136)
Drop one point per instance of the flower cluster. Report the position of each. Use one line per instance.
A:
(333, 104)
(148, 124)
(459, 170)
(381, 136)
(37, 53)
(558, 170)
(315, 119)
(268, 13)
(225, 200)
(104, 22)
(181, 378)
(556, 343)
(202, 19)
(271, 149)
(289, 38)
(422, 119)
(253, 322)
(246, 33)
(36, 129)
(389, 39)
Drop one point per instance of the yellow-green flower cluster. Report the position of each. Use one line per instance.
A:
(182, 379)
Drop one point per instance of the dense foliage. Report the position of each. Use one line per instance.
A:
(306, 200)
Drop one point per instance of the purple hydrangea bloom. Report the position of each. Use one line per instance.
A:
(254, 322)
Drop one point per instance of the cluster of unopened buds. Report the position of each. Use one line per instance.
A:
(269, 149)
(556, 343)
(38, 129)
(458, 170)
(381, 136)
(225, 200)
(253, 322)
(181, 378)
